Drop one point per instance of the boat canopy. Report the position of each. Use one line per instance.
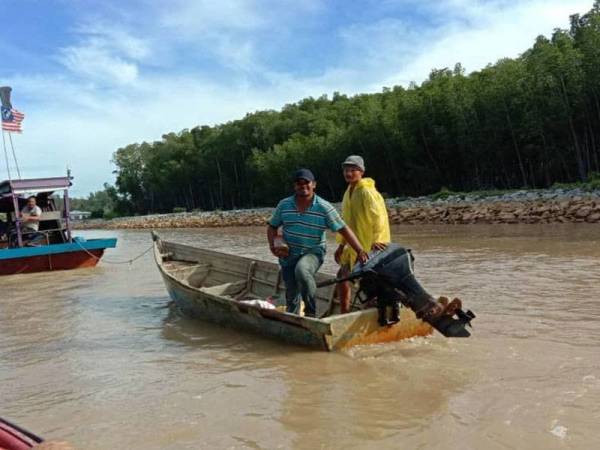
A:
(13, 197)
(8, 187)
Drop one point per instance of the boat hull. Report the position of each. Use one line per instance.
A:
(61, 261)
(13, 437)
(336, 332)
(66, 256)
(239, 316)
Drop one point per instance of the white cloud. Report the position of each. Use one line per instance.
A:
(81, 126)
(119, 41)
(94, 62)
(198, 17)
(106, 54)
(111, 96)
(194, 18)
(231, 30)
(395, 52)
(496, 30)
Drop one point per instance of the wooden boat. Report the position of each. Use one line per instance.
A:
(215, 287)
(52, 247)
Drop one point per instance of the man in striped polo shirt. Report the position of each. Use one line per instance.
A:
(305, 217)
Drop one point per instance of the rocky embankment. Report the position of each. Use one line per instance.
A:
(204, 219)
(543, 206)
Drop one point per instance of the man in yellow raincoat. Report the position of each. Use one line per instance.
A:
(364, 211)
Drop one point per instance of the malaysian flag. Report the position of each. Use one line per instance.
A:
(11, 118)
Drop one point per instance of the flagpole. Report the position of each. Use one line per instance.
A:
(6, 155)
(14, 154)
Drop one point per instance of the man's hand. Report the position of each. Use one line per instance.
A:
(338, 253)
(378, 246)
(280, 252)
(362, 257)
(352, 241)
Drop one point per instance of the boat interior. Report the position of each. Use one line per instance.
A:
(234, 277)
(52, 227)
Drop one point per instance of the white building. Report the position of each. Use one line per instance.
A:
(79, 215)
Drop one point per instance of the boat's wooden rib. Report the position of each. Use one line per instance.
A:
(210, 286)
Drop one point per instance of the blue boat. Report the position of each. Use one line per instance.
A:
(48, 244)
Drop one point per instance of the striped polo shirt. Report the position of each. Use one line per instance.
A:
(305, 231)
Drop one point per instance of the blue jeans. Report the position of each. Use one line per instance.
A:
(298, 274)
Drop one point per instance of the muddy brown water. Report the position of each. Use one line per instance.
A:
(96, 357)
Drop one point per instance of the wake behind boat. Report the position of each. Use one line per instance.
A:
(220, 288)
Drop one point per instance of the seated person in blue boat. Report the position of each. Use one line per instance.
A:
(3, 230)
(30, 219)
(305, 217)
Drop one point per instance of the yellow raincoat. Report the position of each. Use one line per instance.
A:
(365, 213)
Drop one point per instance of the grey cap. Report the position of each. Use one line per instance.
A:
(355, 160)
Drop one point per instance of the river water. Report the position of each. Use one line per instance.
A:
(97, 357)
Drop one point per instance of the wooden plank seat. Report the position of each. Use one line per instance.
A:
(230, 289)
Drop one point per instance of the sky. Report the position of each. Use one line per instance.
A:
(92, 76)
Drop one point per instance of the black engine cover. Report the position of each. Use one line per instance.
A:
(388, 276)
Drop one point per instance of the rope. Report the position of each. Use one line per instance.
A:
(129, 261)
(14, 154)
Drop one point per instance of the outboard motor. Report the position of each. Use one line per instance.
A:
(388, 278)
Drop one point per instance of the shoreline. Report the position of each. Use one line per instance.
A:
(519, 207)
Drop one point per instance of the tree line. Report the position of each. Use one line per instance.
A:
(525, 122)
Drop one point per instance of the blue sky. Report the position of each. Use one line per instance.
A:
(93, 76)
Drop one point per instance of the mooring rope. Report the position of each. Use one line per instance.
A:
(129, 261)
